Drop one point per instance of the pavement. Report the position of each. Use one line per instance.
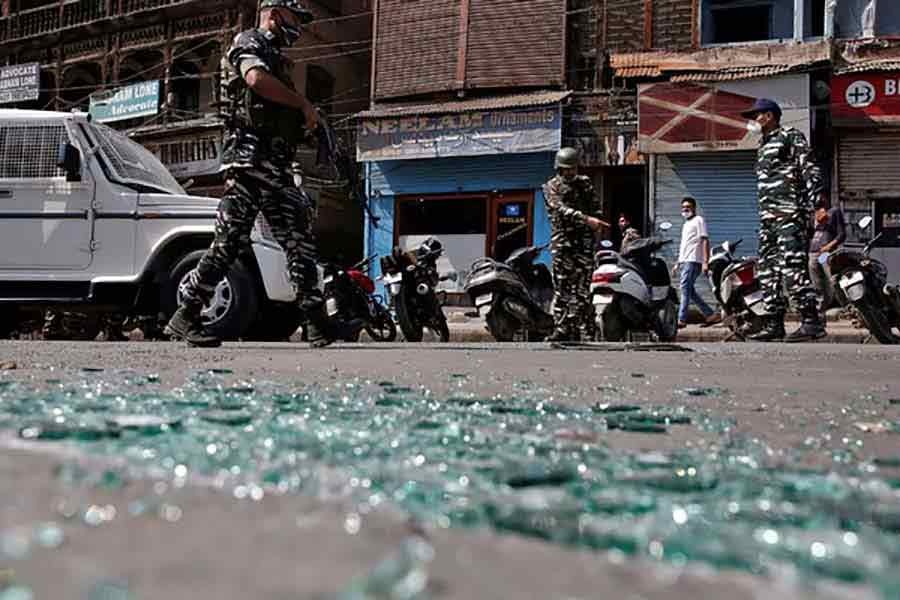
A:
(211, 545)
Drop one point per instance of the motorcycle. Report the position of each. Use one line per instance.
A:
(860, 281)
(632, 291)
(412, 279)
(737, 290)
(513, 296)
(353, 306)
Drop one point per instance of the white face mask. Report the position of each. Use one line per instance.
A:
(754, 127)
(686, 213)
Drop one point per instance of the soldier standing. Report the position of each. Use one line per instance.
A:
(789, 184)
(570, 198)
(267, 119)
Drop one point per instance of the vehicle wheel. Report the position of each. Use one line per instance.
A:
(441, 328)
(668, 322)
(875, 322)
(612, 325)
(412, 331)
(502, 327)
(235, 304)
(277, 322)
(384, 330)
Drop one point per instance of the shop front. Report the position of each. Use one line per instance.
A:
(700, 146)
(469, 173)
(866, 115)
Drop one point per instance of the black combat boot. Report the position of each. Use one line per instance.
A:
(811, 328)
(772, 331)
(319, 330)
(186, 324)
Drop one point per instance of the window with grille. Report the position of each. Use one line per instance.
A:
(28, 150)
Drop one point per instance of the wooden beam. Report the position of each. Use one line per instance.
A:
(372, 81)
(648, 24)
(695, 24)
(462, 57)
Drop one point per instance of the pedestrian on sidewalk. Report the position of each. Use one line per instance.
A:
(693, 259)
(829, 234)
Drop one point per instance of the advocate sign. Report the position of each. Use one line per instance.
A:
(138, 100)
(473, 133)
(20, 83)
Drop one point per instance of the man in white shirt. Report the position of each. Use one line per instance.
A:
(693, 259)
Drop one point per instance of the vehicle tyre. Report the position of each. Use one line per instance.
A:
(875, 322)
(503, 328)
(441, 328)
(384, 329)
(412, 331)
(612, 325)
(668, 321)
(277, 322)
(235, 305)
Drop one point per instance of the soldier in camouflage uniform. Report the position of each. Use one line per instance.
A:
(266, 122)
(570, 202)
(789, 184)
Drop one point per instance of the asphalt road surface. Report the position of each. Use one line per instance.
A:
(211, 545)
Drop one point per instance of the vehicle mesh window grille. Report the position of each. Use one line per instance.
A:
(28, 150)
(131, 161)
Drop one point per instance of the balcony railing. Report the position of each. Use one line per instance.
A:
(53, 18)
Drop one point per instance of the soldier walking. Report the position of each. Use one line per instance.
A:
(570, 200)
(267, 119)
(790, 183)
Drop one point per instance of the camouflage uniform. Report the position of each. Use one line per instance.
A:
(571, 245)
(788, 181)
(260, 142)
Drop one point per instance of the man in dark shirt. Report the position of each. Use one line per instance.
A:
(829, 233)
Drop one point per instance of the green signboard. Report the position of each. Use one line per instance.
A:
(138, 100)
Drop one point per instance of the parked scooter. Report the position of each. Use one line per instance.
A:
(632, 291)
(412, 279)
(860, 281)
(737, 290)
(353, 306)
(513, 296)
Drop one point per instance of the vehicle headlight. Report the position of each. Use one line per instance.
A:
(728, 285)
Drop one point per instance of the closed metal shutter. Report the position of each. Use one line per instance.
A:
(869, 164)
(724, 185)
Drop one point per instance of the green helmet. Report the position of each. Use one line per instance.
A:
(295, 7)
(567, 158)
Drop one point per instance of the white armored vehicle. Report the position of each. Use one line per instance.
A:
(91, 221)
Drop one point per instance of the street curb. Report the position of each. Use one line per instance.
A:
(691, 335)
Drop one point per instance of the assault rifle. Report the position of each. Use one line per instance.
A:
(331, 152)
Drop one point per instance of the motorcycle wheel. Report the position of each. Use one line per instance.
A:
(612, 326)
(412, 331)
(875, 322)
(383, 329)
(668, 317)
(501, 326)
(441, 328)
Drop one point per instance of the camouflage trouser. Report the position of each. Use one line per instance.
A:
(572, 310)
(289, 213)
(783, 261)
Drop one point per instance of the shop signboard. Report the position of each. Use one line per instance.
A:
(20, 83)
(700, 117)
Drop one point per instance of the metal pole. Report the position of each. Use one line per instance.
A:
(799, 19)
(651, 194)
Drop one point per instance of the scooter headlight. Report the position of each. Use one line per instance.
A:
(728, 286)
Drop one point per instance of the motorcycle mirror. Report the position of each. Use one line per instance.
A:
(665, 226)
(606, 244)
(865, 222)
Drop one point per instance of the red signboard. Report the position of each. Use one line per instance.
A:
(861, 98)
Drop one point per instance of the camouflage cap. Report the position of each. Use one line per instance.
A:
(295, 7)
